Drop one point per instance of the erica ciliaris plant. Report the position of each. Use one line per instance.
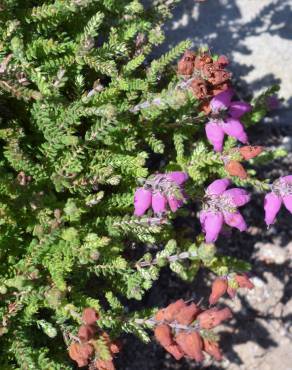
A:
(101, 149)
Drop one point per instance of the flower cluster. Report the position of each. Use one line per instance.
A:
(229, 285)
(88, 347)
(208, 76)
(160, 190)
(220, 205)
(281, 193)
(182, 330)
(224, 119)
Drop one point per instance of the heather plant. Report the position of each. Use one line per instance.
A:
(102, 148)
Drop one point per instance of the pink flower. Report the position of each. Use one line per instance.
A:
(178, 177)
(281, 193)
(220, 205)
(225, 119)
(142, 201)
(159, 192)
(159, 202)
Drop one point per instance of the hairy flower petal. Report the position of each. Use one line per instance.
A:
(287, 200)
(238, 109)
(212, 226)
(142, 201)
(222, 100)
(174, 203)
(239, 196)
(235, 219)
(272, 206)
(287, 179)
(159, 202)
(178, 177)
(215, 135)
(218, 187)
(233, 127)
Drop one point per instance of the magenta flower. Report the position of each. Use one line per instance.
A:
(224, 119)
(142, 201)
(281, 193)
(159, 192)
(220, 206)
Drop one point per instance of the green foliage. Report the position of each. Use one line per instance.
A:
(88, 115)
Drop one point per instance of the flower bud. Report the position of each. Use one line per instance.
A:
(234, 168)
(219, 288)
(191, 345)
(187, 314)
(115, 347)
(86, 332)
(231, 292)
(213, 349)
(104, 365)
(89, 316)
(178, 177)
(170, 311)
(213, 317)
(159, 202)
(81, 352)
(175, 351)
(243, 281)
(247, 152)
(163, 335)
(142, 201)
